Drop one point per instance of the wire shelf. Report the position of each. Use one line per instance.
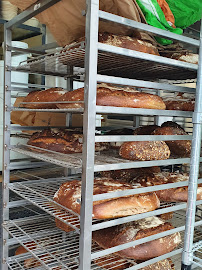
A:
(55, 249)
(104, 161)
(118, 62)
(40, 193)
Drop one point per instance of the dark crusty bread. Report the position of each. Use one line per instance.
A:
(180, 102)
(69, 192)
(113, 262)
(49, 95)
(145, 130)
(179, 148)
(127, 42)
(129, 174)
(28, 263)
(152, 150)
(179, 194)
(62, 140)
(118, 98)
(121, 234)
(123, 131)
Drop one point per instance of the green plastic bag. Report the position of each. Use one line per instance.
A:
(186, 12)
(155, 17)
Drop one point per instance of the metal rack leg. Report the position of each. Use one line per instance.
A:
(6, 144)
(89, 134)
(187, 256)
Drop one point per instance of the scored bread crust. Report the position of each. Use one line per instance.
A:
(179, 194)
(61, 140)
(127, 42)
(69, 193)
(49, 95)
(179, 148)
(148, 150)
(117, 98)
(121, 234)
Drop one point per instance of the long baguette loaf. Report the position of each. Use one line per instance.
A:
(179, 194)
(117, 98)
(121, 234)
(70, 192)
(154, 150)
(41, 97)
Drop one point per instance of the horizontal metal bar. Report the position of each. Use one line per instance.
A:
(138, 242)
(26, 27)
(144, 84)
(139, 111)
(18, 203)
(24, 51)
(148, 28)
(18, 166)
(157, 259)
(118, 221)
(140, 138)
(30, 12)
(134, 191)
(146, 56)
(139, 164)
(71, 110)
(13, 127)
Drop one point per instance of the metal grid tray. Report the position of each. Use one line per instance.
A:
(112, 61)
(55, 249)
(104, 161)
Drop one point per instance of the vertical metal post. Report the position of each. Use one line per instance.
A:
(187, 256)
(6, 142)
(92, 21)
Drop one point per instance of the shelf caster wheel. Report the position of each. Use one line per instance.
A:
(186, 267)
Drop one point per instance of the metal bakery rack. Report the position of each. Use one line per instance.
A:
(47, 246)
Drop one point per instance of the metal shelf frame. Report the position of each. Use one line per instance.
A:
(102, 63)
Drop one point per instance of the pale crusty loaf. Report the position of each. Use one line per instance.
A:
(132, 231)
(62, 140)
(69, 192)
(117, 98)
(179, 148)
(127, 42)
(153, 150)
(49, 95)
(113, 262)
(179, 194)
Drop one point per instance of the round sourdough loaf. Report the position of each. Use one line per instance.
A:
(108, 97)
(39, 97)
(69, 193)
(145, 130)
(179, 148)
(152, 150)
(121, 234)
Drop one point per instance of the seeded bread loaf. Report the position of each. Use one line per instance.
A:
(121, 234)
(179, 194)
(70, 192)
(153, 150)
(118, 98)
(41, 97)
